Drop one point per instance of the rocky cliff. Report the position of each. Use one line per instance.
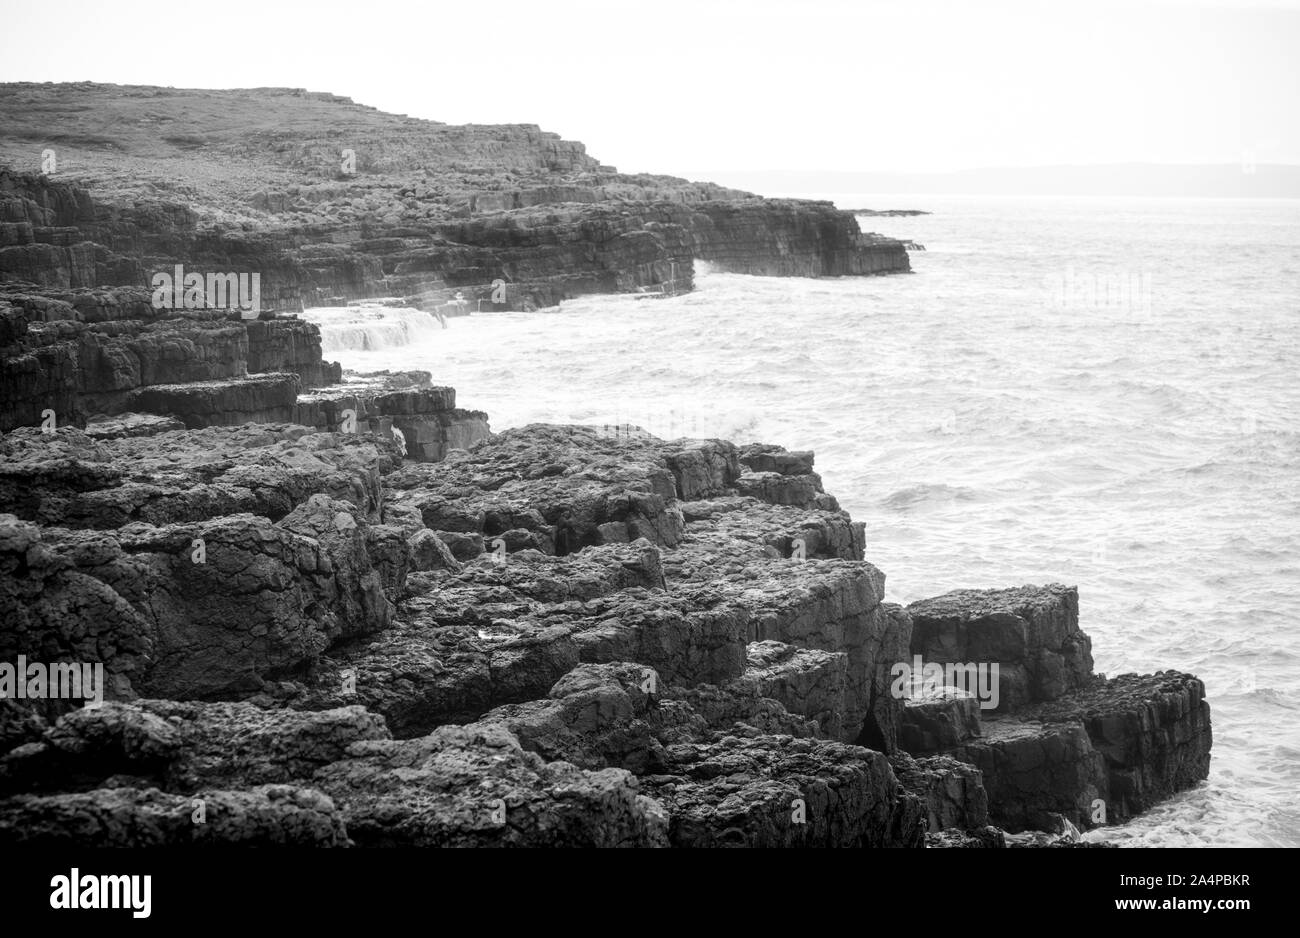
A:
(329, 200)
(324, 201)
(620, 640)
(336, 610)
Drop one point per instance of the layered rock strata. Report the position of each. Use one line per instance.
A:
(375, 651)
(344, 202)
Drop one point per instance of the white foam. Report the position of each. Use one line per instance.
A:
(370, 328)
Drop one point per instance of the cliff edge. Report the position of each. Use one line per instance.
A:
(330, 201)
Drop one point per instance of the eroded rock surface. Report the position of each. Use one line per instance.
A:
(370, 650)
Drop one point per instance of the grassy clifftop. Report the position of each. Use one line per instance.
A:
(260, 153)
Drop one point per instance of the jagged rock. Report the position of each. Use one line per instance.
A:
(596, 716)
(185, 747)
(1153, 731)
(770, 791)
(691, 713)
(463, 547)
(941, 721)
(426, 418)
(269, 815)
(984, 838)
(806, 681)
(404, 516)
(727, 660)
(825, 533)
(420, 678)
(359, 605)
(428, 552)
(129, 425)
(70, 479)
(785, 238)
(391, 557)
(1032, 634)
(765, 457)
(21, 722)
(1035, 770)
(952, 791)
(475, 786)
(524, 479)
(703, 468)
(459, 655)
(240, 745)
(835, 606)
(684, 644)
(54, 611)
(777, 489)
(85, 747)
(197, 610)
(223, 403)
(289, 346)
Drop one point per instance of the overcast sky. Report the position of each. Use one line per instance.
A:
(687, 87)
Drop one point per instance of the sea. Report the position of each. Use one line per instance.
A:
(1101, 392)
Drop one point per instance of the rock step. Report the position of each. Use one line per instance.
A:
(1030, 633)
(265, 398)
(1100, 755)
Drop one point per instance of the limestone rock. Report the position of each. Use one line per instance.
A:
(269, 815)
(475, 786)
(1032, 633)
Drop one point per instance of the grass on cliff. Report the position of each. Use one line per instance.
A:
(258, 153)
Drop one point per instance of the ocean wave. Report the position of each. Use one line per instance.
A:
(370, 328)
(917, 495)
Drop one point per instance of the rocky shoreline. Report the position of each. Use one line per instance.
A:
(375, 651)
(343, 612)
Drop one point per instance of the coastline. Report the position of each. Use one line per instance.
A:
(716, 611)
(380, 591)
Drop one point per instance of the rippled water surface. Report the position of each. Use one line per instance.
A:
(1098, 392)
